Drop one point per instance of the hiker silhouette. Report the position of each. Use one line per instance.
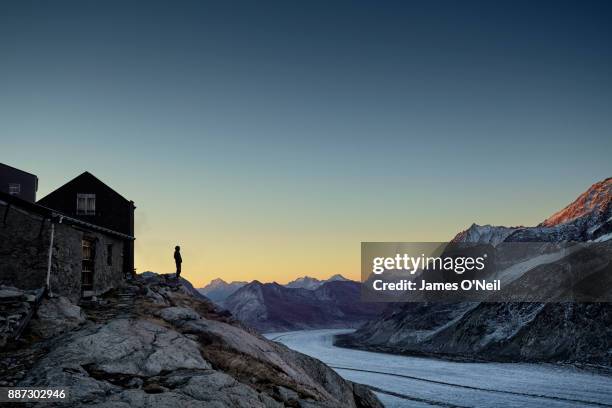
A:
(178, 260)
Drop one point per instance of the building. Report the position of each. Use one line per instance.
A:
(42, 247)
(18, 183)
(88, 199)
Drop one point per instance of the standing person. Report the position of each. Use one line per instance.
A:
(178, 260)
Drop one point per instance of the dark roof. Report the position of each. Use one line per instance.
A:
(56, 215)
(89, 175)
(15, 168)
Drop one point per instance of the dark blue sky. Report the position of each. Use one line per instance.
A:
(293, 122)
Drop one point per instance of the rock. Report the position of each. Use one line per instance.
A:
(134, 382)
(364, 396)
(8, 293)
(138, 398)
(178, 314)
(286, 394)
(121, 347)
(154, 389)
(155, 297)
(55, 316)
(265, 359)
(221, 389)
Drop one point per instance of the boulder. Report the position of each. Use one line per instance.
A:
(55, 316)
(178, 315)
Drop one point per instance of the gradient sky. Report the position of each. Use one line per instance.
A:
(269, 139)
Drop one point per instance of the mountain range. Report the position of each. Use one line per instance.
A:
(512, 331)
(218, 290)
(272, 307)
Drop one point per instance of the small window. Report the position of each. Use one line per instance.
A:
(14, 188)
(86, 204)
(87, 245)
(109, 254)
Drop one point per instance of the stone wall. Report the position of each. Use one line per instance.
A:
(24, 246)
(107, 276)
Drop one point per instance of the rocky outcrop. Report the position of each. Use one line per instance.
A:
(55, 316)
(165, 347)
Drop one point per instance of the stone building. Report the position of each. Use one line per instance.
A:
(88, 199)
(43, 247)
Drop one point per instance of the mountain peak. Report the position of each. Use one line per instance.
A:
(216, 282)
(588, 217)
(218, 289)
(595, 200)
(305, 279)
(305, 282)
(484, 234)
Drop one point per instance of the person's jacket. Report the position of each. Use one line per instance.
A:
(177, 257)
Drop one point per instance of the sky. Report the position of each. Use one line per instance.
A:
(269, 139)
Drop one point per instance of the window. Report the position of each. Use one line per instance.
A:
(109, 254)
(14, 188)
(86, 204)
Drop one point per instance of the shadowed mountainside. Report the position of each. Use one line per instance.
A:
(556, 332)
(273, 307)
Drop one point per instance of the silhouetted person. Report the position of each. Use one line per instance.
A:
(178, 260)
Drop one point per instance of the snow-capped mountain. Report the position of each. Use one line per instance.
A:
(218, 289)
(588, 218)
(273, 307)
(484, 234)
(593, 203)
(570, 332)
(305, 282)
(309, 283)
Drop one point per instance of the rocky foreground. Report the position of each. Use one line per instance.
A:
(156, 343)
